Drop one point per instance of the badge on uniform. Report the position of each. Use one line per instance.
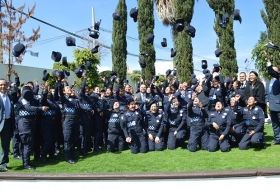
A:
(157, 121)
(136, 113)
(223, 116)
(214, 96)
(70, 99)
(253, 117)
(24, 101)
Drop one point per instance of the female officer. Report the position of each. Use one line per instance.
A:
(196, 121)
(70, 125)
(176, 119)
(155, 123)
(115, 138)
(132, 124)
(219, 126)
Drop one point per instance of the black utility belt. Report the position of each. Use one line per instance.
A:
(251, 127)
(71, 116)
(152, 131)
(197, 124)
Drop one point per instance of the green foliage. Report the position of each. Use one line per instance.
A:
(146, 26)
(119, 51)
(272, 21)
(182, 41)
(135, 76)
(178, 160)
(225, 36)
(81, 56)
(136, 72)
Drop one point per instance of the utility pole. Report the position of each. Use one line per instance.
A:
(93, 22)
(1, 43)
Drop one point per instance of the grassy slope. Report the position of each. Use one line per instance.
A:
(165, 161)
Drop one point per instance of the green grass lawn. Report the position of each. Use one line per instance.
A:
(179, 160)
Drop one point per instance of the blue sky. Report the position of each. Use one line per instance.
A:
(75, 15)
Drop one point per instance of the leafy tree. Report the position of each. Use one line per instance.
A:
(119, 45)
(81, 56)
(146, 26)
(225, 40)
(12, 21)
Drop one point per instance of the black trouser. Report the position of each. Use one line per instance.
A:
(115, 142)
(49, 135)
(97, 130)
(26, 127)
(5, 137)
(17, 144)
(85, 125)
(37, 138)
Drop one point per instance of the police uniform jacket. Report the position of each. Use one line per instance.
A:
(176, 118)
(54, 109)
(184, 98)
(235, 113)
(155, 122)
(196, 115)
(97, 102)
(28, 108)
(114, 117)
(132, 122)
(253, 119)
(222, 119)
(85, 102)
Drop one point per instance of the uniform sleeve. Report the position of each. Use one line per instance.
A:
(261, 121)
(123, 125)
(28, 107)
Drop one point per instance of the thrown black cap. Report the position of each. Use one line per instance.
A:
(27, 93)
(204, 64)
(168, 72)
(194, 81)
(46, 75)
(173, 53)
(150, 101)
(102, 90)
(164, 42)
(223, 20)
(155, 77)
(88, 65)
(66, 73)
(56, 56)
(133, 14)
(113, 78)
(193, 76)
(79, 71)
(272, 46)
(116, 15)
(217, 78)
(143, 63)
(64, 61)
(217, 67)
(150, 38)
(179, 25)
(205, 71)
(18, 49)
(97, 25)
(70, 41)
(113, 73)
(61, 74)
(218, 52)
(175, 73)
(191, 31)
(93, 33)
(95, 49)
(125, 81)
(236, 15)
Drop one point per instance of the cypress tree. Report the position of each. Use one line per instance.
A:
(271, 19)
(225, 40)
(183, 43)
(146, 26)
(118, 48)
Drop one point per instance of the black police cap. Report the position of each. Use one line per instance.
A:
(95, 49)
(204, 64)
(217, 67)
(102, 90)
(150, 38)
(218, 52)
(97, 25)
(64, 61)
(272, 46)
(66, 73)
(61, 74)
(46, 75)
(143, 63)
(93, 33)
(164, 42)
(179, 25)
(173, 53)
(194, 81)
(191, 31)
(79, 71)
(168, 72)
(18, 49)
(223, 20)
(56, 56)
(116, 15)
(205, 71)
(155, 77)
(236, 15)
(88, 65)
(149, 102)
(125, 81)
(27, 93)
(175, 73)
(193, 76)
(133, 14)
(113, 73)
(70, 41)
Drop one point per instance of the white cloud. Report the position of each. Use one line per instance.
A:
(103, 68)
(163, 66)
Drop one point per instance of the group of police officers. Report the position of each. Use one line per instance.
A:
(210, 113)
